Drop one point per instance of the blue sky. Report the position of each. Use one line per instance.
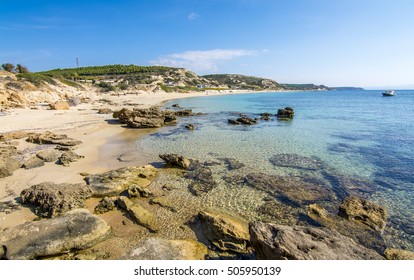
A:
(333, 42)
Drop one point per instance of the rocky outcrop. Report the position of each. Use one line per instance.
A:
(114, 182)
(59, 105)
(364, 212)
(141, 215)
(224, 232)
(67, 157)
(51, 200)
(75, 230)
(162, 249)
(52, 138)
(398, 254)
(176, 160)
(242, 120)
(104, 111)
(277, 242)
(286, 113)
(138, 191)
(144, 118)
(296, 161)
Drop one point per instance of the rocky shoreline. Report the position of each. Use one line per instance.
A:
(144, 212)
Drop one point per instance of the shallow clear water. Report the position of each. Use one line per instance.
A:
(359, 134)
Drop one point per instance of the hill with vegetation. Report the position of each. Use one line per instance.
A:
(236, 81)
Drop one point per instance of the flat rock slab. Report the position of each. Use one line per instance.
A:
(277, 242)
(114, 182)
(226, 233)
(162, 249)
(296, 161)
(33, 162)
(52, 138)
(48, 155)
(75, 230)
(52, 199)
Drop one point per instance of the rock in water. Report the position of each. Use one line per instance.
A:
(162, 249)
(114, 182)
(225, 232)
(363, 211)
(141, 215)
(52, 199)
(286, 113)
(176, 160)
(75, 230)
(277, 242)
(296, 161)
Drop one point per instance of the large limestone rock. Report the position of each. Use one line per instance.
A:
(114, 182)
(162, 249)
(59, 105)
(286, 113)
(52, 199)
(75, 230)
(364, 211)
(52, 138)
(141, 215)
(144, 118)
(226, 233)
(67, 157)
(277, 242)
(7, 163)
(48, 155)
(33, 162)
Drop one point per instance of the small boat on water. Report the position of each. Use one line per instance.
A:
(388, 93)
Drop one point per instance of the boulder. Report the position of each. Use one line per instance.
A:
(141, 215)
(176, 160)
(144, 118)
(48, 155)
(8, 166)
(246, 120)
(278, 242)
(114, 182)
(52, 199)
(33, 162)
(224, 232)
(105, 205)
(286, 113)
(365, 212)
(398, 254)
(296, 161)
(52, 138)
(67, 157)
(190, 126)
(163, 249)
(75, 230)
(175, 106)
(59, 105)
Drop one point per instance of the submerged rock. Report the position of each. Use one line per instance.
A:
(224, 232)
(296, 161)
(75, 230)
(176, 160)
(114, 182)
(52, 138)
(277, 242)
(141, 215)
(365, 212)
(162, 249)
(202, 180)
(232, 164)
(190, 126)
(52, 199)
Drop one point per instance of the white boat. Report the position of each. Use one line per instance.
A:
(388, 93)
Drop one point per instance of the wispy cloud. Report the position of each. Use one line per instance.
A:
(192, 16)
(202, 61)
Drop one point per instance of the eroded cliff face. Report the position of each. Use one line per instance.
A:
(16, 92)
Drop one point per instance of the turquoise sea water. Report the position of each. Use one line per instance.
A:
(357, 134)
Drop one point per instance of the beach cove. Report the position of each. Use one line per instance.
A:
(238, 186)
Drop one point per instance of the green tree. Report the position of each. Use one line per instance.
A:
(21, 69)
(7, 67)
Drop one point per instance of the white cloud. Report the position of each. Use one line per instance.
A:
(201, 61)
(192, 16)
